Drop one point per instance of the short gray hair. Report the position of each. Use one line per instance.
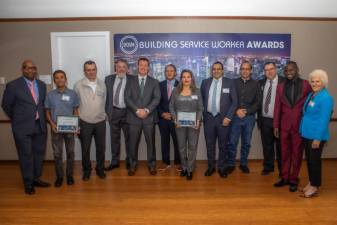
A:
(321, 74)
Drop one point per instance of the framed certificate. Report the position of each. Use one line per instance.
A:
(67, 124)
(186, 119)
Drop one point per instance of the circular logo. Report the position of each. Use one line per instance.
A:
(129, 44)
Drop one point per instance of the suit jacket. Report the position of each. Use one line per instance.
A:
(134, 101)
(109, 83)
(164, 99)
(287, 117)
(228, 99)
(20, 107)
(262, 85)
(316, 116)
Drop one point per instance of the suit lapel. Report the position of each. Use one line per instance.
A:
(208, 86)
(165, 90)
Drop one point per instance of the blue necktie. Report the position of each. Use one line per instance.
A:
(215, 88)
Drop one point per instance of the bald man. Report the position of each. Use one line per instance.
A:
(23, 102)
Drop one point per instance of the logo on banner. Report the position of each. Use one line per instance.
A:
(129, 44)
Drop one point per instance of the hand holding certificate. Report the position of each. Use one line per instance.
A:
(67, 124)
(187, 119)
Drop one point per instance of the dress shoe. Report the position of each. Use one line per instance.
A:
(111, 167)
(222, 173)
(153, 171)
(127, 165)
(131, 172)
(183, 173)
(58, 182)
(265, 172)
(86, 176)
(189, 176)
(230, 169)
(244, 169)
(209, 172)
(70, 180)
(178, 167)
(292, 187)
(40, 183)
(29, 190)
(101, 174)
(281, 183)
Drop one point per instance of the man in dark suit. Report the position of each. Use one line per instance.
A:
(142, 97)
(220, 102)
(115, 108)
(166, 125)
(290, 98)
(265, 119)
(23, 102)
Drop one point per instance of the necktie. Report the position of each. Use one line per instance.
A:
(118, 90)
(142, 84)
(268, 97)
(215, 88)
(169, 89)
(32, 91)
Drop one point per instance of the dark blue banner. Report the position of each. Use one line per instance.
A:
(197, 51)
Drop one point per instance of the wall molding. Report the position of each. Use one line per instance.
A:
(69, 19)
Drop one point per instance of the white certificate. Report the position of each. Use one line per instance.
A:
(186, 119)
(67, 124)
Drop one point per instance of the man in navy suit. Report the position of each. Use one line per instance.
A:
(23, 102)
(220, 102)
(166, 125)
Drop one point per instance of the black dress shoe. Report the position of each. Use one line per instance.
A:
(111, 167)
(131, 172)
(209, 172)
(281, 183)
(292, 187)
(29, 190)
(244, 169)
(70, 180)
(189, 176)
(58, 182)
(40, 183)
(127, 165)
(86, 176)
(222, 173)
(230, 169)
(101, 174)
(183, 173)
(153, 171)
(265, 172)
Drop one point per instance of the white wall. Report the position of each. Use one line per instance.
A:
(118, 8)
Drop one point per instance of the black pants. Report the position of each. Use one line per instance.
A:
(96, 130)
(117, 124)
(269, 142)
(135, 132)
(214, 130)
(167, 129)
(31, 151)
(314, 162)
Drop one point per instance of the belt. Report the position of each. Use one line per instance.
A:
(119, 108)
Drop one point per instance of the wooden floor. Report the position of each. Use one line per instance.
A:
(240, 199)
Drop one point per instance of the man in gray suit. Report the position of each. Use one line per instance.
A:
(115, 108)
(142, 95)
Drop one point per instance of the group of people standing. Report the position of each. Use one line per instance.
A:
(291, 114)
